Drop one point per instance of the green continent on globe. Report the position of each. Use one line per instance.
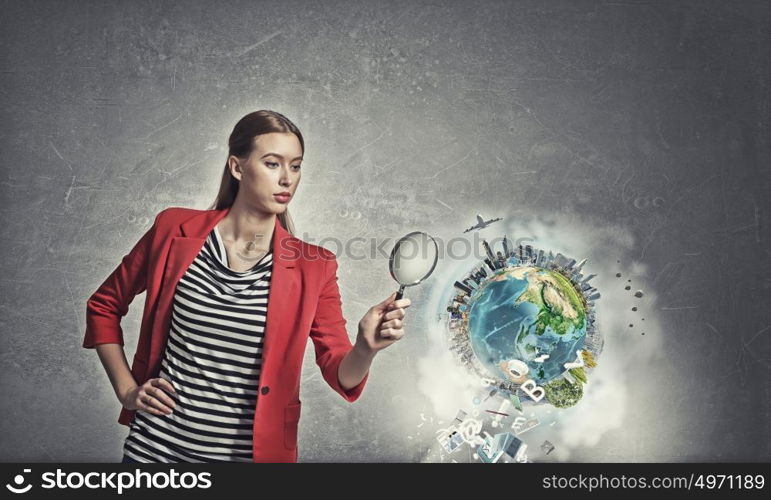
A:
(560, 306)
(562, 394)
(527, 314)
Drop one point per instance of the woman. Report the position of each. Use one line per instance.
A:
(232, 297)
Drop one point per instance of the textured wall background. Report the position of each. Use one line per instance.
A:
(639, 129)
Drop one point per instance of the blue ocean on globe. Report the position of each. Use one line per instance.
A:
(529, 314)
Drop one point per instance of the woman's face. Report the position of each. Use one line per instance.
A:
(272, 168)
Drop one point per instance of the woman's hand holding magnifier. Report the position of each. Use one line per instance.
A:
(381, 326)
(412, 260)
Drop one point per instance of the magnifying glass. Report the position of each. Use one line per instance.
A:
(412, 260)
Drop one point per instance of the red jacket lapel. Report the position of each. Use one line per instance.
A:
(184, 249)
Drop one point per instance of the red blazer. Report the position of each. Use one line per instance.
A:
(304, 300)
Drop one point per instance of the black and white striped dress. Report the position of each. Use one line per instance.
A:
(213, 360)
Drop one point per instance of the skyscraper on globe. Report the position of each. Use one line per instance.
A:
(527, 323)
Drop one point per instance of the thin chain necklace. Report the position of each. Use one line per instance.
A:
(251, 246)
(246, 255)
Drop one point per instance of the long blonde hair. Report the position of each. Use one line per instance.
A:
(240, 144)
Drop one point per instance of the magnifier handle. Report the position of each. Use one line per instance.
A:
(400, 293)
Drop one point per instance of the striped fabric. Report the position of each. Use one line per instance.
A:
(213, 360)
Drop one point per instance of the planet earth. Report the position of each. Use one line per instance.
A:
(530, 316)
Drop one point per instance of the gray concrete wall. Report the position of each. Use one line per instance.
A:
(632, 133)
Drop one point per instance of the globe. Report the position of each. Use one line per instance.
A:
(526, 322)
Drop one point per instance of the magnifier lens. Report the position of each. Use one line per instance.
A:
(413, 259)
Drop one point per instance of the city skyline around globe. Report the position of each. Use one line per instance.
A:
(525, 324)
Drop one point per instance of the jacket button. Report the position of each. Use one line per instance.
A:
(265, 389)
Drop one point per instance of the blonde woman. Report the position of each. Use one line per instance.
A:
(231, 300)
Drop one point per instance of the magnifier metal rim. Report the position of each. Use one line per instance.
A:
(393, 251)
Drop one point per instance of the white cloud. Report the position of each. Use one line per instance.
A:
(626, 352)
